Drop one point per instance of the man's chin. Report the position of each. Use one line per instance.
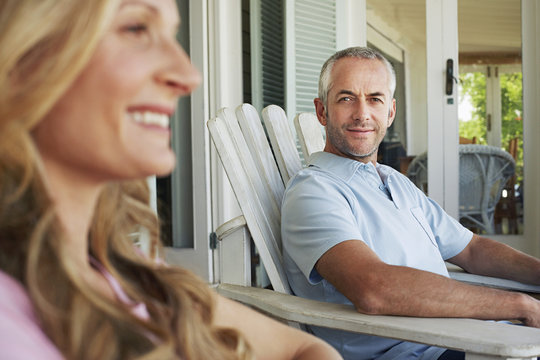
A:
(359, 154)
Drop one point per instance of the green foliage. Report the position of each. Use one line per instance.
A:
(473, 86)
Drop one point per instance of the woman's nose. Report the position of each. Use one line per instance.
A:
(179, 75)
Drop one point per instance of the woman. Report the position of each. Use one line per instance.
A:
(87, 89)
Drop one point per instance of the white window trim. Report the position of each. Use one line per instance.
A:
(256, 53)
(442, 44)
(198, 258)
(225, 90)
(530, 17)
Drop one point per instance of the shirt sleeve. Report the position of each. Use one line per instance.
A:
(451, 236)
(21, 337)
(316, 215)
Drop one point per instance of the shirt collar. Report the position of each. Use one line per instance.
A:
(343, 167)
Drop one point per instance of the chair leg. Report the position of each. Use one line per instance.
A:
(488, 223)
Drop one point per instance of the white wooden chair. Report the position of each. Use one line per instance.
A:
(308, 130)
(239, 142)
(281, 138)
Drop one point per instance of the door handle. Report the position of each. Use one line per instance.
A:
(450, 78)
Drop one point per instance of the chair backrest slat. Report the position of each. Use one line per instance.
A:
(282, 141)
(253, 193)
(256, 139)
(260, 183)
(309, 133)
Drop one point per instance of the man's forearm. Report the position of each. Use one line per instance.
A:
(375, 287)
(488, 257)
(411, 292)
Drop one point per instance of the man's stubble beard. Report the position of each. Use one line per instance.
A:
(339, 142)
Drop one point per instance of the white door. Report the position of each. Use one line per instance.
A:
(427, 31)
(489, 35)
(442, 62)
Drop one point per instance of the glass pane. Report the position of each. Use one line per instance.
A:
(398, 31)
(490, 108)
(175, 201)
(472, 108)
(509, 212)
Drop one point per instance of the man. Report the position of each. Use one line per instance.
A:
(358, 232)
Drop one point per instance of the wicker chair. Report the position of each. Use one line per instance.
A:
(483, 173)
(417, 171)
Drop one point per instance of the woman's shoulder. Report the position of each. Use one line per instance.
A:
(13, 296)
(20, 334)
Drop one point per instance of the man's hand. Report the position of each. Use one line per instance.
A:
(532, 319)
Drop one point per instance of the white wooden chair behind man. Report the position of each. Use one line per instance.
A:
(246, 159)
(309, 132)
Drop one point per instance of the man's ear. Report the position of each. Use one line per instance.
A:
(320, 110)
(392, 113)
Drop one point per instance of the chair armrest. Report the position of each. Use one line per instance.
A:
(491, 339)
(234, 243)
(230, 227)
(459, 274)
(495, 282)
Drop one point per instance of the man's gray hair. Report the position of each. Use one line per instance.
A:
(354, 52)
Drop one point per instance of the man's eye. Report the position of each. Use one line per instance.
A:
(345, 99)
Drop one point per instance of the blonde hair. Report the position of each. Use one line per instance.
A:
(50, 42)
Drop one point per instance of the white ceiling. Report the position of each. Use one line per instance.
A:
(492, 26)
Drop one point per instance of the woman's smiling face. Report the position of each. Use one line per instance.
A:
(113, 121)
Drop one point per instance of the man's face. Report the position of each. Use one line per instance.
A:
(359, 108)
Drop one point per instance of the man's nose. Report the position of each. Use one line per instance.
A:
(361, 111)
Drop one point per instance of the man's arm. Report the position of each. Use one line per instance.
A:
(488, 257)
(375, 287)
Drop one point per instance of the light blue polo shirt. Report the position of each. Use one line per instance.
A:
(337, 199)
